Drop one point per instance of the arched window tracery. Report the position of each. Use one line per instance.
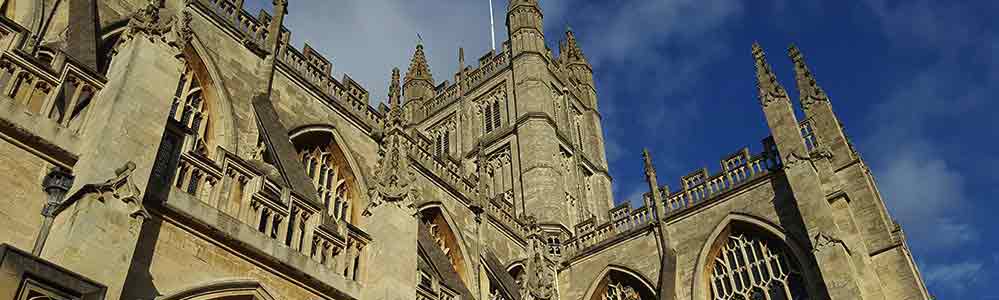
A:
(751, 266)
(618, 284)
(446, 238)
(191, 110)
(326, 165)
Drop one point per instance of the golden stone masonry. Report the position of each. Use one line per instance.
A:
(184, 149)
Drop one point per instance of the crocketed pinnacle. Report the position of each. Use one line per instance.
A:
(570, 49)
(394, 92)
(766, 81)
(808, 89)
(419, 69)
(650, 170)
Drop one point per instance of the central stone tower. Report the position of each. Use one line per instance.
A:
(564, 182)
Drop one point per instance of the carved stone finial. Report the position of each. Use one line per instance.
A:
(769, 89)
(539, 280)
(650, 169)
(158, 25)
(393, 177)
(419, 68)
(809, 91)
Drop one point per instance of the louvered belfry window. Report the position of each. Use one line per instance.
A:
(751, 268)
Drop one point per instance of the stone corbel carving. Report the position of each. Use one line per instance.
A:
(794, 158)
(122, 188)
(823, 240)
(817, 95)
(821, 152)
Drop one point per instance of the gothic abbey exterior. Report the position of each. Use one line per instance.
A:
(184, 149)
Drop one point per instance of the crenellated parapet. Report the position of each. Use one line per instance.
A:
(490, 65)
(697, 188)
(307, 65)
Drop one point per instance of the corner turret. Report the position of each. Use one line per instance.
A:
(525, 26)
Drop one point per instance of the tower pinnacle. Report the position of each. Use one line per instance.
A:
(766, 81)
(569, 50)
(394, 89)
(809, 91)
(419, 69)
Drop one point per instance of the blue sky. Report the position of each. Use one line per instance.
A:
(914, 83)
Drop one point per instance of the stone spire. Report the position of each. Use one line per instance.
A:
(274, 28)
(655, 195)
(766, 81)
(419, 69)
(809, 91)
(418, 86)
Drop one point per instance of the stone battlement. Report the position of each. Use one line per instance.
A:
(699, 186)
(307, 64)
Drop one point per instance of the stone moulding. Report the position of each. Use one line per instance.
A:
(191, 214)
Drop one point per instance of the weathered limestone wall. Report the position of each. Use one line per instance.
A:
(173, 257)
(768, 201)
(639, 253)
(20, 218)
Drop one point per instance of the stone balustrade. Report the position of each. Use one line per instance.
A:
(490, 66)
(56, 88)
(242, 191)
(697, 187)
(624, 219)
(232, 11)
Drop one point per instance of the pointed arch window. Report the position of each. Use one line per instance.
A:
(328, 179)
(752, 267)
(327, 166)
(492, 117)
(619, 284)
(190, 110)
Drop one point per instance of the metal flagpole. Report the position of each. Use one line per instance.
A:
(492, 27)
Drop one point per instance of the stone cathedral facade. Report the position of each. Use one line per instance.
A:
(184, 149)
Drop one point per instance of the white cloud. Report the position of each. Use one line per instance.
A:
(917, 161)
(954, 276)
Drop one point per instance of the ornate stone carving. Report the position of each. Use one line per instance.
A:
(393, 178)
(539, 280)
(158, 24)
(122, 188)
(823, 240)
